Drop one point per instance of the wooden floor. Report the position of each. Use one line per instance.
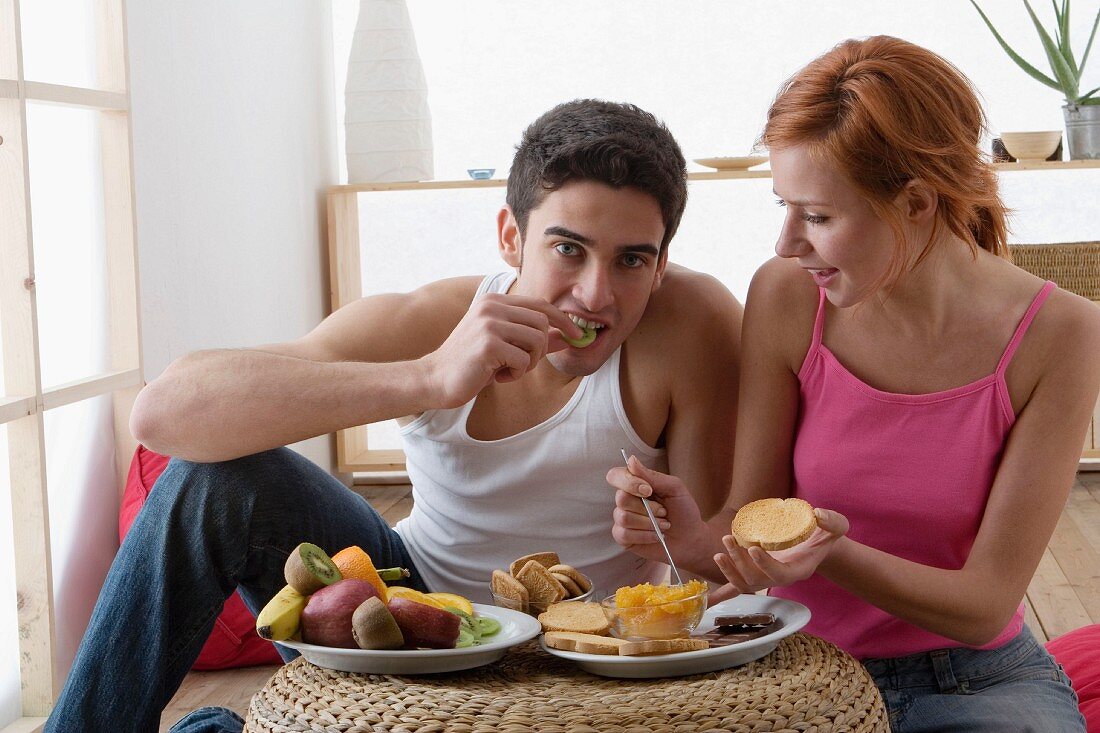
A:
(1063, 595)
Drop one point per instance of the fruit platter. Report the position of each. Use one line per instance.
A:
(340, 613)
(515, 628)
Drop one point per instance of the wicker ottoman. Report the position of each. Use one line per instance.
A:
(805, 684)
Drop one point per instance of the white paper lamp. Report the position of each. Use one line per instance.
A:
(387, 123)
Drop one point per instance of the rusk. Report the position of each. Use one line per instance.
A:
(571, 641)
(541, 586)
(774, 524)
(585, 618)
(546, 559)
(661, 646)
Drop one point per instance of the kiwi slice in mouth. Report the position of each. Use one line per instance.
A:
(588, 337)
(308, 569)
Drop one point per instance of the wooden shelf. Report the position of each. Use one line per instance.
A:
(352, 449)
(692, 176)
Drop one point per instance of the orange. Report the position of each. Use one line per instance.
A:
(400, 591)
(354, 563)
(455, 601)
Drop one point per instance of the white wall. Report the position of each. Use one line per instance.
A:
(233, 147)
(709, 69)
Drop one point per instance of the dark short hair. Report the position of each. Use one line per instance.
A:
(612, 143)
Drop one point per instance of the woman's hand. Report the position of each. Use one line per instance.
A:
(673, 506)
(751, 569)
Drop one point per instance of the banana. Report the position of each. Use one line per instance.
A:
(279, 619)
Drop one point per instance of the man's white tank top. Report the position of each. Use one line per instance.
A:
(480, 504)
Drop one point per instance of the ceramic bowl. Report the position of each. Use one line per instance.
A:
(1029, 147)
(481, 174)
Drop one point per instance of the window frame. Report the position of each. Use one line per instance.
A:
(24, 401)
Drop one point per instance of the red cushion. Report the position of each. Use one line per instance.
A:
(233, 641)
(1079, 654)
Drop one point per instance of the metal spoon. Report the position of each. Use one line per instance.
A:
(653, 519)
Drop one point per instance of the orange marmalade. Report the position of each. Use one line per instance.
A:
(659, 611)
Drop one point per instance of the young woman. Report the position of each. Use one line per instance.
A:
(904, 377)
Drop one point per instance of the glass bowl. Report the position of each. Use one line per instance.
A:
(535, 609)
(480, 174)
(668, 620)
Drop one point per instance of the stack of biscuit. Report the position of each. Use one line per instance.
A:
(534, 582)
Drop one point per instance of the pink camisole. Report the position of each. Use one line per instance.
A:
(912, 474)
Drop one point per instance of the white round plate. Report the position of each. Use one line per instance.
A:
(792, 615)
(733, 164)
(515, 628)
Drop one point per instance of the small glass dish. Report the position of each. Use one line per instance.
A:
(668, 620)
(481, 174)
(535, 609)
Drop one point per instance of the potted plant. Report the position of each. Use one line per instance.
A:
(1082, 111)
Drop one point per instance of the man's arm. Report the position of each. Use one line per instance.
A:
(378, 358)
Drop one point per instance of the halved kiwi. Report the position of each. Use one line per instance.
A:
(373, 626)
(308, 569)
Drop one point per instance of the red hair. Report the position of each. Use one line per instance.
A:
(884, 112)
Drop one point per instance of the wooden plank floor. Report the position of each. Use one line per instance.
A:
(1063, 595)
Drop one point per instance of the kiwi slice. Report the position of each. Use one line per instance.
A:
(486, 626)
(308, 569)
(465, 639)
(588, 337)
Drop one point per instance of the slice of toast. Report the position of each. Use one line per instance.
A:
(572, 590)
(774, 524)
(661, 646)
(512, 593)
(545, 559)
(541, 586)
(572, 641)
(584, 618)
(583, 583)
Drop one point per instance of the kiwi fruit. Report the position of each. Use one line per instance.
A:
(373, 626)
(308, 569)
(588, 337)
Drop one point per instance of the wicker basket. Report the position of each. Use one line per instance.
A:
(806, 684)
(1073, 266)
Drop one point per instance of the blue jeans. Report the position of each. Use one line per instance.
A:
(1016, 687)
(206, 530)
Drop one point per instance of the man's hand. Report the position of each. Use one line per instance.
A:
(501, 337)
(673, 506)
(752, 569)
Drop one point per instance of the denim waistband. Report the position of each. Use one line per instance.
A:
(950, 669)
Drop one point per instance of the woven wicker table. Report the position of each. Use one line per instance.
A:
(806, 684)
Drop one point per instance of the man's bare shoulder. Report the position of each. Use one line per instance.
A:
(692, 319)
(393, 326)
(688, 300)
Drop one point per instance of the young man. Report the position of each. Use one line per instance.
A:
(509, 430)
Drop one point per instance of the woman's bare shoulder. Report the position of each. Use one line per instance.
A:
(1069, 324)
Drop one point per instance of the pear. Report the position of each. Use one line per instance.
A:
(326, 619)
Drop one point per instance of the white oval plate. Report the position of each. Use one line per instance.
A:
(733, 164)
(793, 616)
(515, 628)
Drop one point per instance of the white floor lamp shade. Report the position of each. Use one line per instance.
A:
(387, 123)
